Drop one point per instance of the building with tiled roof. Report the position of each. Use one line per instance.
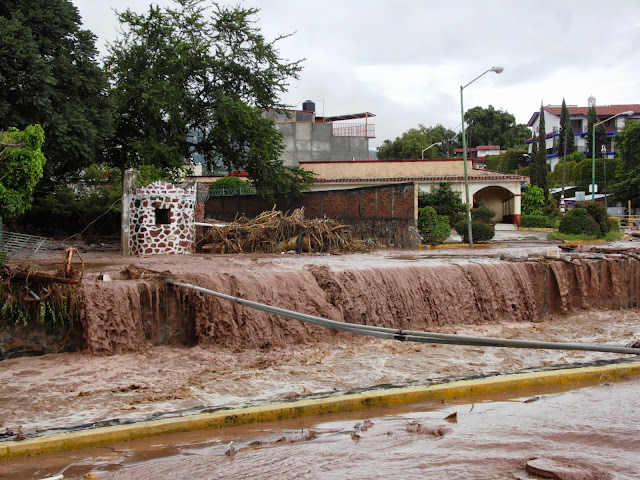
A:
(499, 191)
(479, 153)
(579, 122)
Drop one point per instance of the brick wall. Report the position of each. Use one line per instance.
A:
(388, 213)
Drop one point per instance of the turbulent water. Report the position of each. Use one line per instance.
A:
(217, 354)
(586, 434)
(121, 316)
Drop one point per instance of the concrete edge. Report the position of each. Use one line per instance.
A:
(453, 245)
(537, 229)
(306, 408)
(586, 242)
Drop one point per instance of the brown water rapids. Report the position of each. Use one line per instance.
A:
(120, 316)
(151, 350)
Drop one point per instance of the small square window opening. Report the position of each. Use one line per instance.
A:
(163, 216)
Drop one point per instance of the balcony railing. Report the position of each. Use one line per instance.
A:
(354, 130)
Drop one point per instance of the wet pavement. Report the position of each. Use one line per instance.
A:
(591, 431)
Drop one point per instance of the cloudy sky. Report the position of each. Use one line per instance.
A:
(404, 60)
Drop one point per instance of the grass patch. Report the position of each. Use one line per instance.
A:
(610, 236)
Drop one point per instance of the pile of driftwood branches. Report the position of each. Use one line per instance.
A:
(275, 232)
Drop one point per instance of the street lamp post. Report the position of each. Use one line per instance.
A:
(432, 145)
(604, 158)
(464, 151)
(593, 152)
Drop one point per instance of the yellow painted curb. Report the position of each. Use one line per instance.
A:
(453, 245)
(537, 229)
(586, 242)
(306, 408)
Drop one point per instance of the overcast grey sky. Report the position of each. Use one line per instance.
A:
(405, 60)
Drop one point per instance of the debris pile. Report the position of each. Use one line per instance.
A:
(277, 232)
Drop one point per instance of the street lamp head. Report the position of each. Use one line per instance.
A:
(496, 69)
(630, 112)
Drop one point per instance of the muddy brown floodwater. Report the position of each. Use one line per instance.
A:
(585, 434)
(65, 390)
(243, 357)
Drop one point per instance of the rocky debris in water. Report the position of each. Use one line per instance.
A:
(562, 470)
(452, 418)
(416, 427)
(18, 434)
(514, 257)
(311, 434)
(277, 232)
(364, 426)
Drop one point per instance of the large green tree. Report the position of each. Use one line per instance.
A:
(488, 126)
(627, 184)
(601, 133)
(21, 164)
(509, 162)
(195, 78)
(566, 138)
(413, 141)
(541, 157)
(534, 164)
(49, 75)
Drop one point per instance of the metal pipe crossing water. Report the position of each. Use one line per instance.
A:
(411, 335)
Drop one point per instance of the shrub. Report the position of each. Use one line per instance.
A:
(484, 215)
(458, 217)
(533, 200)
(434, 228)
(578, 222)
(536, 221)
(599, 213)
(615, 224)
(228, 183)
(481, 231)
(444, 200)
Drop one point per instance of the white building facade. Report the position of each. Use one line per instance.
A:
(579, 122)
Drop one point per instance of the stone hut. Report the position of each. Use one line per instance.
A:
(161, 219)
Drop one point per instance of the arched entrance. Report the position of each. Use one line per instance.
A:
(502, 201)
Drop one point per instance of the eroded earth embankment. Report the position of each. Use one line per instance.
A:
(124, 315)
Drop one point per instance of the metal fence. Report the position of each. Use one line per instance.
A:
(204, 195)
(19, 246)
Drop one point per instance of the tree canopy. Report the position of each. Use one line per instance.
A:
(413, 141)
(601, 133)
(196, 79)
(538, 163)
(509, 162)
(627, 186)
(566, 138)
(488, 126)
(49, 75)
(21, 164)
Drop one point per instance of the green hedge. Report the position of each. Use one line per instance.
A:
(434, 228)
(228, 183)
(599, 213)
(481, 231)
(483, 214)
(578, 222)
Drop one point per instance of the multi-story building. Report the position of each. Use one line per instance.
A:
(579, 122)
(309, 137)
